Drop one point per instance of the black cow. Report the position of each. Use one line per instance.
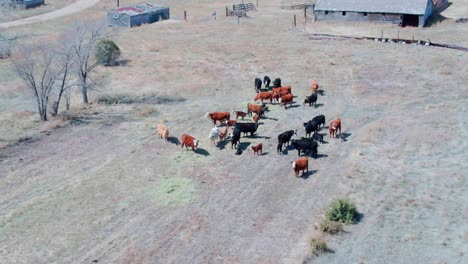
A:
(310, 127)
(317, 137)
(277, 83)
(284, 138)
(320, 119)
(258, 84)
(305, 145)
(266, 81)
(235, 137)
(311, 100)
(247, 127)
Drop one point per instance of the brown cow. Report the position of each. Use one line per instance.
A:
(257, 149)
(255, 118)
(240, 113)
(285, 99)
(230, 122)
(281, 89)
(223, 132)
(162, 131)
(301, 164)
(189, 141)
(264, 96)
(258, 109)
(314, 86)
(333, 126)
(218, 116)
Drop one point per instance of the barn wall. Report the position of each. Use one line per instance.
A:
(358, 16)
(30, 3)
(122, 20)
(427, 14)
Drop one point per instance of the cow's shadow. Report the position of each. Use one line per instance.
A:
(270, 118)
(244, 145)
(307, 174)
(173, 140)
(202, 151)
(257, 136)
(294, 106)
(222, 144)
(264, 153)
(319, 156)
(321, 92)
(318, 105)
(345, 136)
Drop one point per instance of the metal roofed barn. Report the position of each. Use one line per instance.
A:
(401, 12)
(137, 15)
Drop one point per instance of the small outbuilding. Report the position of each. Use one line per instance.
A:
(137, 15)
(400, 12)
(29, 3)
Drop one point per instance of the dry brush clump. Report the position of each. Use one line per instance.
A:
(125, 98)
(330, 227)
(318, 246)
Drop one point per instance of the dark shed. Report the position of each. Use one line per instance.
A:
(137, 15)
(401, 12)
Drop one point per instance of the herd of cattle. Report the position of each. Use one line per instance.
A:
(279, 94)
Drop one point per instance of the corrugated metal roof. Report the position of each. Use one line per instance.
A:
(414, 7)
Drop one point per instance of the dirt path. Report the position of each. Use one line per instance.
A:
(68, 10)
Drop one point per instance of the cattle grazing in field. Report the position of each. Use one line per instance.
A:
(264, 96)
(256, 118)
(311, 127)
(301, 164)
(214, 134)
(266, 81)
(247, 128)
(235, 137)
(257, 149)
(334, 126)
(286, 99)
(320, 119)
(258, 109)
(311, 100)
(218, 116)
(223, 132)
(230, 122)
(277, 83)
(314, 86)
(240, 113)
(189, 141)
(282, 90)
(305, 145)
(285, 138)
(163, 131)
(258, 84)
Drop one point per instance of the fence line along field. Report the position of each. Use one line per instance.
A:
(103, 183)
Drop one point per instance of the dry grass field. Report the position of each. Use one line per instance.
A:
(97, 184)
(13, 14)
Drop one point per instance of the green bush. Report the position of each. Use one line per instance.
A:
(107, 52)
(318, 246)
(331, 227)
(342, 210)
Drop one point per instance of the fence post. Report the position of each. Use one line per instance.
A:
(118, 3)
(305, 11)
(381, 35)
(226, 11)
(185, 15)
(238, 18)
(398, 38)
(294, 20)
(257, 3)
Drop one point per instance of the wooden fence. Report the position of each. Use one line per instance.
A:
(244, 7)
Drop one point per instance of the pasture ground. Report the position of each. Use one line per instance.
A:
(103, 187)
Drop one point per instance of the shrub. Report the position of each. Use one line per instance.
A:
(107, 52)
(318, 246)
(342, 210)
(331, 227)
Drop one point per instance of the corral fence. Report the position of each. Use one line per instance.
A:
(240, 10)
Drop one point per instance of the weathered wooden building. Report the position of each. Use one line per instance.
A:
(137, 15)
(400, 12)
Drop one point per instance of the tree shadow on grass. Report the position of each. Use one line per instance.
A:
(173, 140)
(307, 174)
(202, 151)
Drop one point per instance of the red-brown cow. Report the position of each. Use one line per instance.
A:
(255, 118)
(285, 99)
(240, 113)
(258, 109)
(218, 116)
(333, 126)
(189, 141)
(223, 132)
(301, 164)
(163, 132)
(264, 96)
(230, 122)
(314, 86)
(257, 149)
(281, 89)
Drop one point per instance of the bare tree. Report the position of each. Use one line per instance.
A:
(66, 53)
(84, 38)
(37, 68)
